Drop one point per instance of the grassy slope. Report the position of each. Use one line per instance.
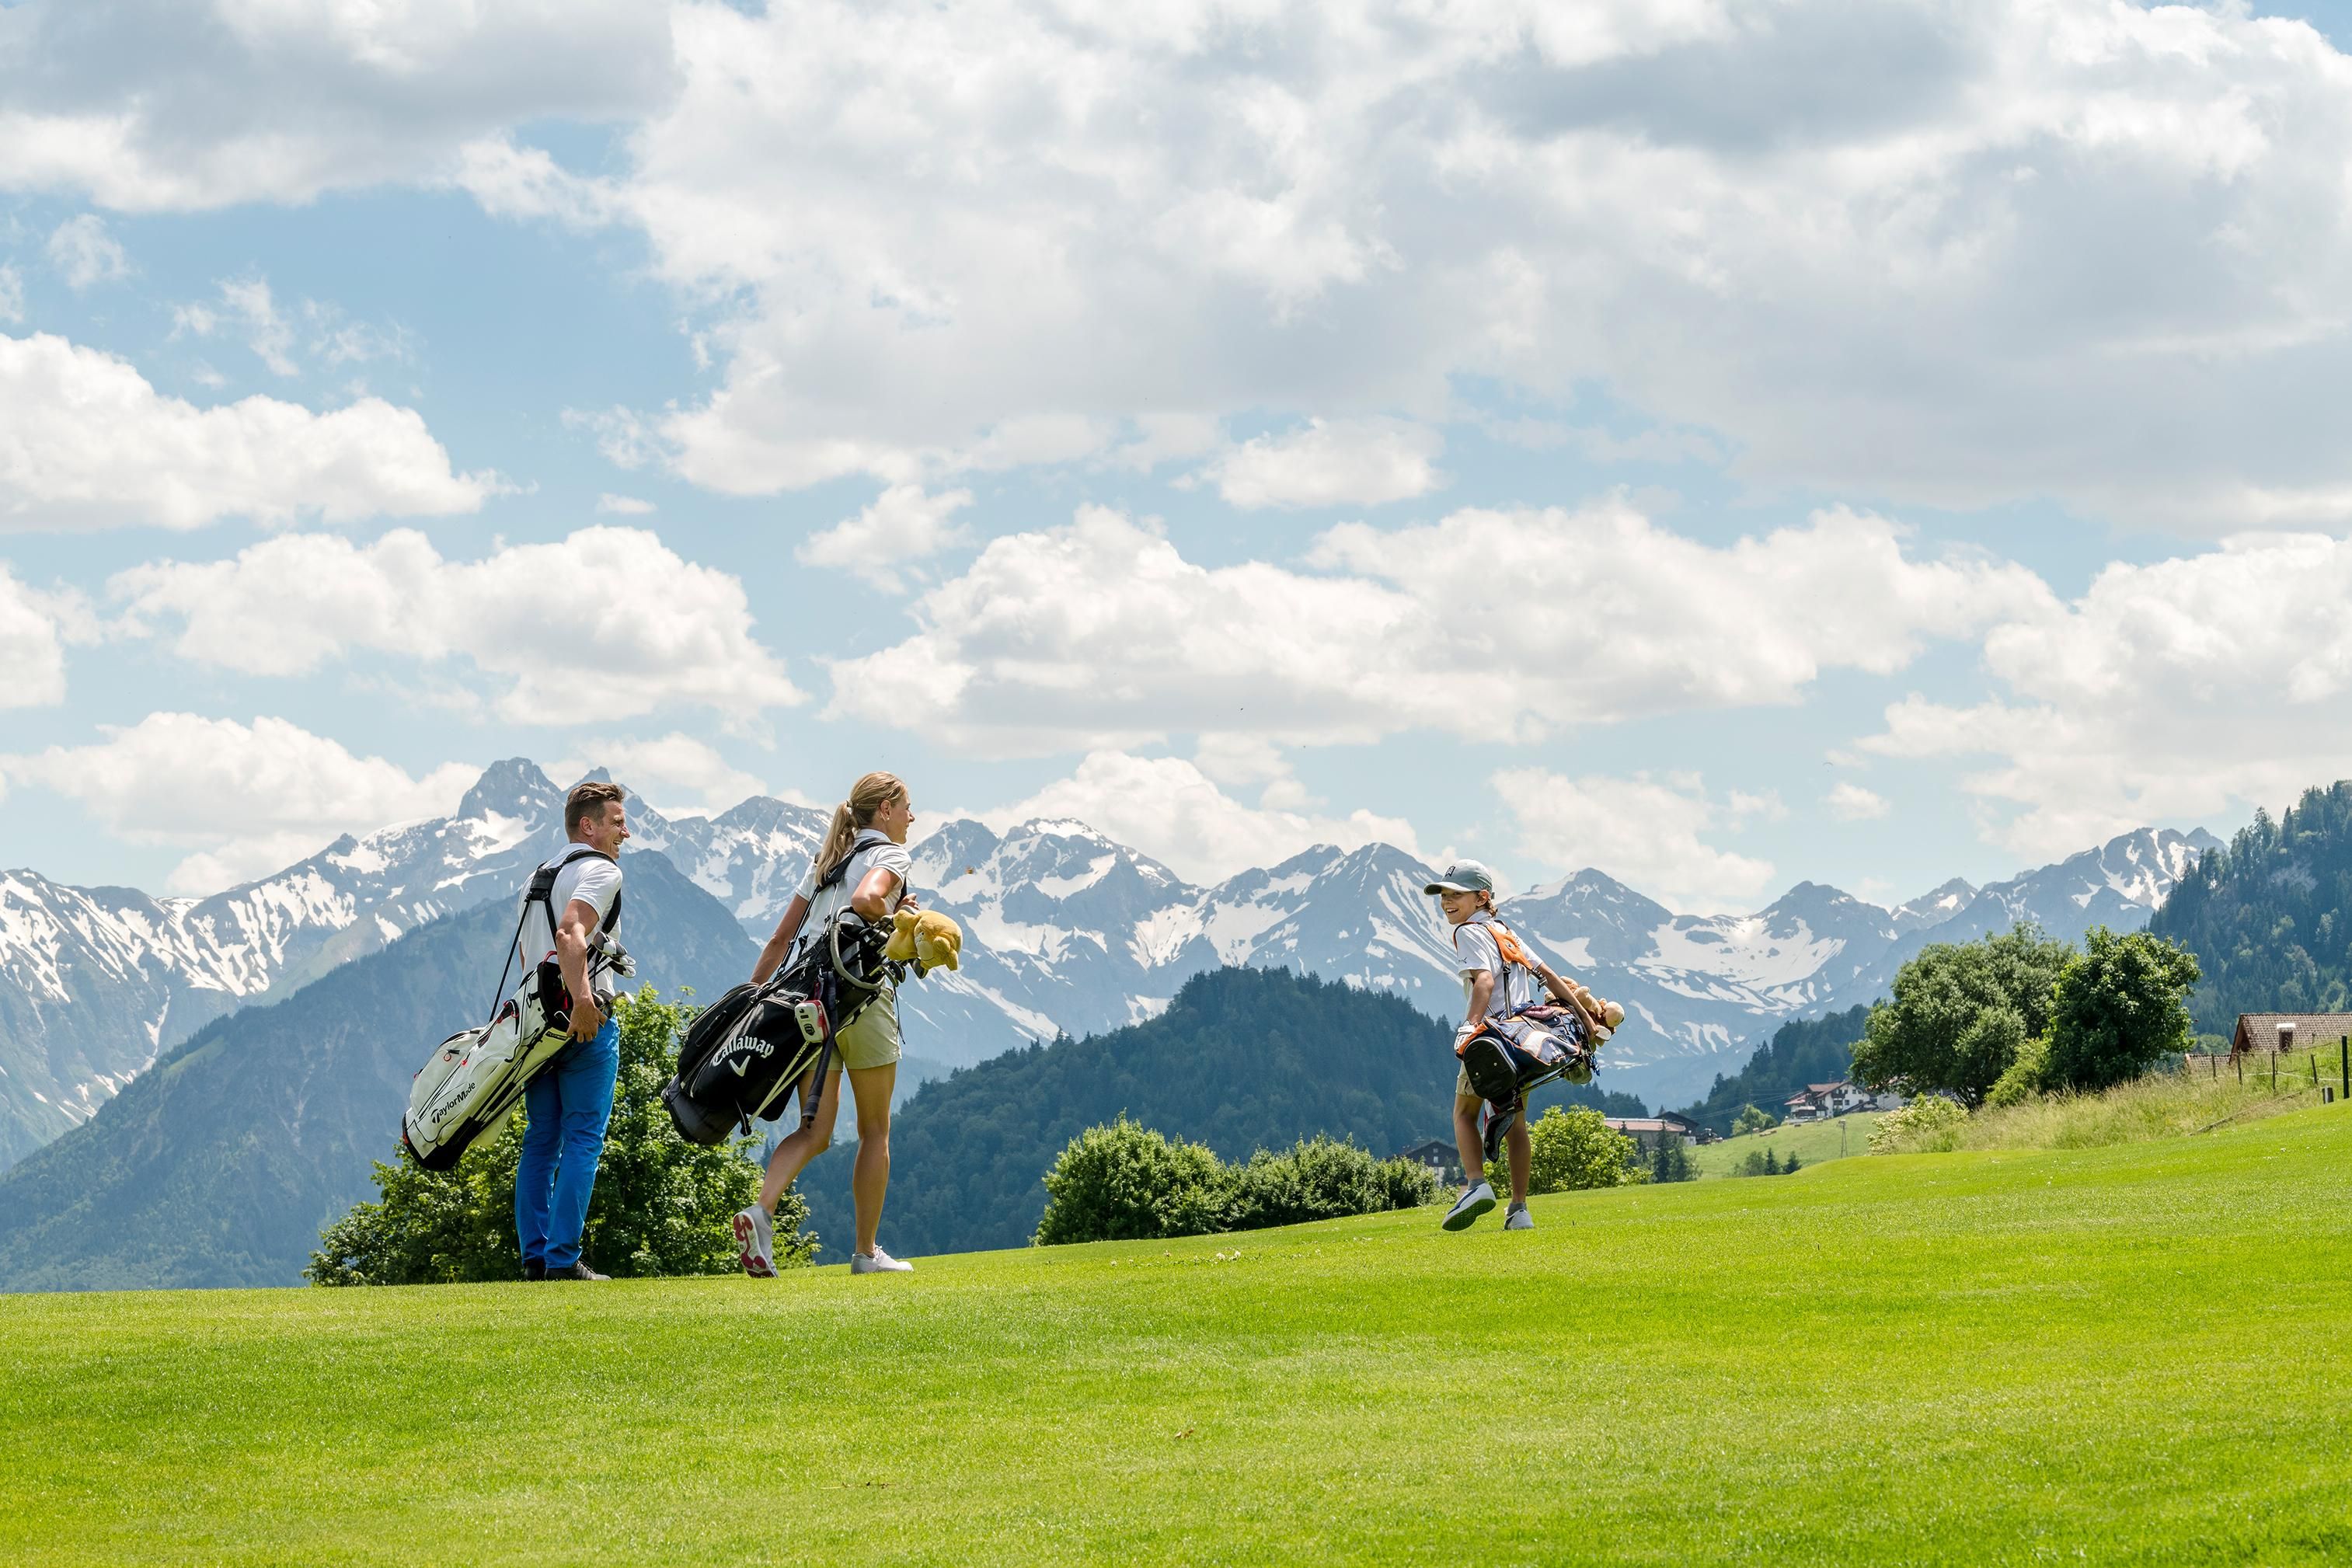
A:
(1810, 1141)
(1992, 1356)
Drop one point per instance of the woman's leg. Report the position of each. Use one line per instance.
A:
(792, 1155)
(870, 1179)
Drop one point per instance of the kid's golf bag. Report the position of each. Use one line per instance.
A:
(1507, 1057)
(473, 1080)
(743, 1053)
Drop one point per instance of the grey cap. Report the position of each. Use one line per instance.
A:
(1463, 877)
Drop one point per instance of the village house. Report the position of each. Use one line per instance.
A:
(1647, 1130)
(1820, 1101)
(2260, 1032)
(1438, 1155)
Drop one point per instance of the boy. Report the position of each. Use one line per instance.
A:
(1499, 979)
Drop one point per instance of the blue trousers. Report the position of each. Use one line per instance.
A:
(568, 1104)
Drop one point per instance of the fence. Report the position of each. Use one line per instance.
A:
(2289, 1072)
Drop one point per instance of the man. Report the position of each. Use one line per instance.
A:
(570, 1100)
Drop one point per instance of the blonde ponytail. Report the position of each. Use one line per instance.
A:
(866, 797)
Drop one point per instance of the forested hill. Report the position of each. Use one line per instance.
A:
(1243, 1059)
(1801, 1051)
(2270, 916)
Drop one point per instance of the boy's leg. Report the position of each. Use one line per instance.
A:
(542, 1136)
(1465, 1136)
(585, 1083)
(1521, 1154)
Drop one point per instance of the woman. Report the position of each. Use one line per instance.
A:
(867, 841)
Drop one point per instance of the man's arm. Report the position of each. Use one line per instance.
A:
(571, 939)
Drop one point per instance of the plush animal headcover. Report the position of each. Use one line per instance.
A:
(929, 940)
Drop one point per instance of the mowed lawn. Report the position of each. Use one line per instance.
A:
(1986, 1357)
(1810, 1141)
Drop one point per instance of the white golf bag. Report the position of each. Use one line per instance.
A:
(473, 1080)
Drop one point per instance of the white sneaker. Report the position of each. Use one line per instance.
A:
(755, 1234)
(1469, 1207)
(878, 1262)
(1518, 1218)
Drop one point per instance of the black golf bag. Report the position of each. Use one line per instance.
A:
(1509, 1056)
(743, 1053)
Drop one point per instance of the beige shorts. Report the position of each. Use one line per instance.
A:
(872, 1041)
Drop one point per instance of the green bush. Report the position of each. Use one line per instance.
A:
(1571, 1151)
(1765, 1162)
(1753, 1119)
(662, 1205)
(1960, 1012)
(2118, 1009)
(1126, 1182)
(2027, 1075)
(1929, 1124)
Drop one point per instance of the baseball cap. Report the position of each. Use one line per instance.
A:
(1463, 877)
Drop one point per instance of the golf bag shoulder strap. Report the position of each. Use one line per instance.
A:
(541, 890)
(840, 869)
(1509, 946)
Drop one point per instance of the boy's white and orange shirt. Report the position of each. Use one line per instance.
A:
(1478, 951)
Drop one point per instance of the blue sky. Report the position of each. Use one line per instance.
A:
(1522, 444)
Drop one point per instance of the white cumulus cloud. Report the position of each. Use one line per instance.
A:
(246, 798)
(85, 442)
(1849, 801)
(1950, 255)
(901, 525)
(84, 254)
(2181, 689)
(609, 623)
(35, 628)
(1644, 831)
(1171, 811)
(1352, 462)
(678, 772)
(147, 105)
(1101, 635)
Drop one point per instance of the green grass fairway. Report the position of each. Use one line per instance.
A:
(1812, 1142)
(2120, 1354)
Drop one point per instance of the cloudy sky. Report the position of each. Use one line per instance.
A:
(1726, 443)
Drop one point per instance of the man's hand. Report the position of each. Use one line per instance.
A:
(586, 1018)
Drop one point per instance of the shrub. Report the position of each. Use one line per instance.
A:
(662, 1205)
(1572, 1151)
(1753, 1119)
(1321, 1178)
(1930, 1124)
(1960, 1012)
(1127, 1182)
(2118, 1009)
(2027, 1076)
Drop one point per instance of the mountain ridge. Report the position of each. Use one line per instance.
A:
(1068, 932)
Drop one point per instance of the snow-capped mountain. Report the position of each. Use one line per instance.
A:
(2118, 885)
(1065, 931)
(95, 982)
